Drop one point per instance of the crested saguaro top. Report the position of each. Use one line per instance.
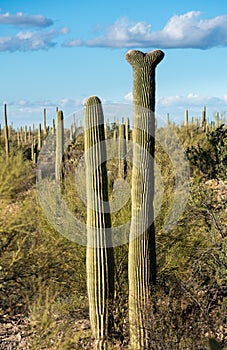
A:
(144, 65)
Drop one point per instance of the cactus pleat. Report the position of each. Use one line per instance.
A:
(142, 253)
(99, 257)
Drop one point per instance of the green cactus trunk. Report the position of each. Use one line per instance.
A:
(142, 252)
(59, 145)
(44, 123)
(39, 137)
(18, 138)
(168, 120)
(204, 119)
(99, 259)
(53, 127)
(217, 120)
(186, 118)
(127, 130)
(122, 152)
(6, 131)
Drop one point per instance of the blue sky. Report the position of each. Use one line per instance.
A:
(58, 53)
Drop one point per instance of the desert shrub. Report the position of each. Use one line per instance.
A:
(31, 250)
(210, 154)
(16, 176)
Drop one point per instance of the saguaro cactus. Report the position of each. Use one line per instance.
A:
(99, 257)
(142, 253)
(53, 127)
(6, 131)
(39, 137)
(186, 118)
(204, 119)
(44, 122)
(217, 120)
(127, 130)
(122, 152)
(59, 145)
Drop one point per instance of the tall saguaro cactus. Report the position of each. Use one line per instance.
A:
(6, 131)
(186, 118)
(39, 137)
(99, 258)
(59, 145)
(142, 252)
(44, 122)
(122, 152)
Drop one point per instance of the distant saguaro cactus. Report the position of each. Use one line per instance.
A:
(39, 137)
(44, 122)
(122, 151)
(168, 120)
(99, 258)
(142, 252)
(217, 120)
(186, 118)
(127, 129)
(59, 145)
(53, 127)
(204, 118)
(6, 131)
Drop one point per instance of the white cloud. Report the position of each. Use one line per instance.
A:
(129, 97)
(72, 43)
(181, 31)
(21, 19)
(177, 104)
(64, 30)
(191, 100)
(24, 111)
(31, 40)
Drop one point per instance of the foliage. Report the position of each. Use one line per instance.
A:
(43, 276)
(16, 176)
(210, 155)
(31, 251)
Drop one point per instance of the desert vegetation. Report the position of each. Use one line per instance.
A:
(43, 275)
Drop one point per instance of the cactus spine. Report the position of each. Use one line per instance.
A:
(59, 145)
(6, 131)
(142, 253)
(99, 258)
